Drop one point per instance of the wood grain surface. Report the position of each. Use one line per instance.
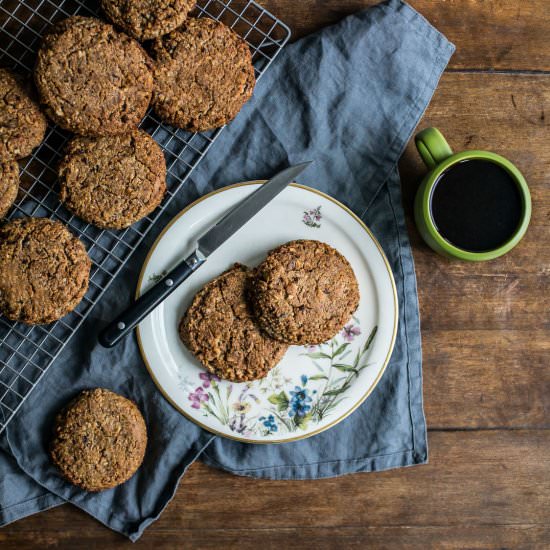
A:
(486, 346)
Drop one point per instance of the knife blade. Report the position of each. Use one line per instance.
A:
(209, 242)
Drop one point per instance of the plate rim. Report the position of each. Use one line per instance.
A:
(335, 421)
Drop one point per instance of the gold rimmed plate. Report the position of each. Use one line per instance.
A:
(312, 388)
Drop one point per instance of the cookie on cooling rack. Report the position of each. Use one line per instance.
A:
(99, 440)
(219, 329)
(92, 79)
(304, 292)
(113, 181)
(9, 185)
(145, 20)
(22, 124)
(203, 75)
(44, 270)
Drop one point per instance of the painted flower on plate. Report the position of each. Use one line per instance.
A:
(197, 397)
(299, 402)
(312, 217)
(207, 378)
(269, 423)
(349, 332)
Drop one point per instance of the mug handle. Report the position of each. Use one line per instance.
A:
(432, 146)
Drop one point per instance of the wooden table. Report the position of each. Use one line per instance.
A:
(486, 344)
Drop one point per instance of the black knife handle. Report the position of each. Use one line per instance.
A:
(147, 302)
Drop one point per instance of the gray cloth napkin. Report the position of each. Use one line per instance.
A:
(348, 97)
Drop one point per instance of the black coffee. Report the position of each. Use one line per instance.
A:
(476, 205)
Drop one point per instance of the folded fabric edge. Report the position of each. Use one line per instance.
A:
(134, 530)
(444, 50)
(328, 469)
(28, 508)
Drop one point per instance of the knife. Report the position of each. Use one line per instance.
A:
(224, 229)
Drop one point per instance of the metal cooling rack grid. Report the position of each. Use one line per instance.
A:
(26, 352)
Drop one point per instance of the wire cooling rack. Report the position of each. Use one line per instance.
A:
(26, 352)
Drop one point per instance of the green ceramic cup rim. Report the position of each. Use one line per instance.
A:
(460, 253)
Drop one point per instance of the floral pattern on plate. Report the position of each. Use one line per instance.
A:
(312, 217)
(278, 404)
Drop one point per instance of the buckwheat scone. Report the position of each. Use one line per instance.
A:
(22, 124)
(9, 185)
(203, 75)
(92, 79)
(218, 328)
(304, 292)
(147, 19)
(44, 270)
(99, 440)
(113, 181)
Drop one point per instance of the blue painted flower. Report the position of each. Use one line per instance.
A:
(304, 379)
(269, 423)
(299, 399)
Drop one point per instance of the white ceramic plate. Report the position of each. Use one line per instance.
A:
(312, 388)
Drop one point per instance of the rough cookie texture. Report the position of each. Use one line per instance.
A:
(218, 328)
(44, 270)
(203, 75)
(92, 79)
(99, 440)
(147, 19)
(9, 185)
(304, 292)
(113, 181)
(22, 124)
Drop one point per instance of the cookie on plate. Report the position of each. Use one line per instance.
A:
(44, 270)
(99, 440)
(113, 181)
(9, 185)
(304, 292)
(203, 75)
(22, 124)
(219, 329)
(144, 19)
(92, 79)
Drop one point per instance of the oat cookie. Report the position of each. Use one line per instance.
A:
(218, 328)
(113, 181)
(9, 185)
(22, 124)
(203, 75)
(92, 79)
(44, 270)
(99, 440)
(147, 19)
(304, 292)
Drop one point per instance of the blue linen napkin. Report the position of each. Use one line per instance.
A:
(348, 97)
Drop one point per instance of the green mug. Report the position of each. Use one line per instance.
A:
(438, 157)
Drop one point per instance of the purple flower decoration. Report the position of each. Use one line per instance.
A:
(349, 332)
(197, 397)
(206, 378)
(312, 217)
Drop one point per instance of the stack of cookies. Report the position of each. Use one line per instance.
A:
(240, 324)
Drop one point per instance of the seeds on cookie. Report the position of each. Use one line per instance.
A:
(304, 292)
(22, 124)
(145, 20)
(44, 270)
(203, 75)
(113, 181)
(99, 440)
(9, 185)
(92, 79)
(219, 329)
